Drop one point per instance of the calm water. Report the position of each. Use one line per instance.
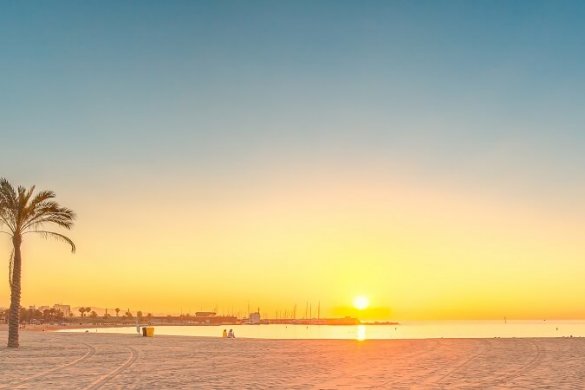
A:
(406, 330)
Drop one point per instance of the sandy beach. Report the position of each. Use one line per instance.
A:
(50, 360)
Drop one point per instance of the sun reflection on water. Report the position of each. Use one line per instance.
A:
(361, 333)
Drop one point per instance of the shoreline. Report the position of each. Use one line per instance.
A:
(77, 329)
(362, 332)
(53, 328)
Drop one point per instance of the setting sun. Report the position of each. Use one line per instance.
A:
(361, 302)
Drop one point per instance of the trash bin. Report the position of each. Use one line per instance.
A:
(144, 331)
(149, 331)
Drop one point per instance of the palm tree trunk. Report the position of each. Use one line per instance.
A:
(14, 319)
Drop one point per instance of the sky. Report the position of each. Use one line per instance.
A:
(427, 155)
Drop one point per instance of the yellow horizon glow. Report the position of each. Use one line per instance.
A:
(421, 251)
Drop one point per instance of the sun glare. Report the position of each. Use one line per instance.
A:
(361, 333)
(361, 302)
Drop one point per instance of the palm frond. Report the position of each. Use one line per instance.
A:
(41, 197)
(21, 210)
(22, 200)
(50, 213)
(28, 194)
(39, 203)
(38, 224)
(56, 236)
(7, 201)
(6, 221)
(7, 193)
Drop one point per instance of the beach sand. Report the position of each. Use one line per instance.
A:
(48, 360)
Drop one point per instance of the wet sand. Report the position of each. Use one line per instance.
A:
(50, 360)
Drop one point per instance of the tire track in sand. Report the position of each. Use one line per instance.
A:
(98, 383)
(435, 380)
(18, 384)
(533, 363)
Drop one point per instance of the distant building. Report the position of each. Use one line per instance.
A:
(210, 318)
(205, 314)
(43, 308)
(65, 309)
(254, 318)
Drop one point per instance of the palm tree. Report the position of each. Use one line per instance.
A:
(22, 213)
(117, 310)
(82, 310)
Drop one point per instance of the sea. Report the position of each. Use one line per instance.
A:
(403, 330)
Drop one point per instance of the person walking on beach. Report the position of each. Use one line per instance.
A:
(231, 334)
(224, 334)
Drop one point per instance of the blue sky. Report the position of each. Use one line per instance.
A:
(481, 93)
(436, 83)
